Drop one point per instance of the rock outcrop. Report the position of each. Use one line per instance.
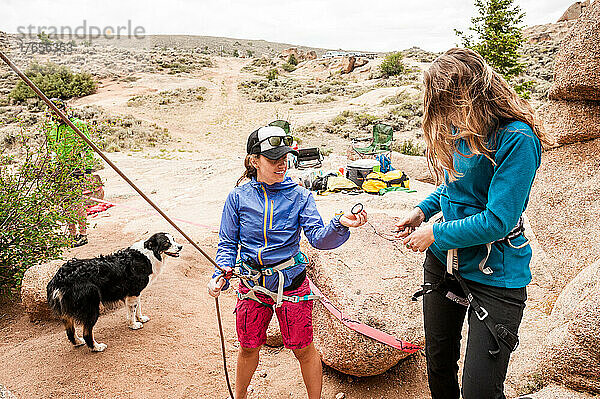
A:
(574, 11)
(571, 121)
(415, 167)
(559, 392)
(299, 55)
(577, 63)
(573, 346)
(371, 280)
(33, 290)
(577, 80)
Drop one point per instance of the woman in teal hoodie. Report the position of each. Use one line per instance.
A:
(484, 146)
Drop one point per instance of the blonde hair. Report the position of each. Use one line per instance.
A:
(250, 171)
(465, 99)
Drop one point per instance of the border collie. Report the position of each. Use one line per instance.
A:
(80, 285)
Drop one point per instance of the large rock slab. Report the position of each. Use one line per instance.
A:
(573, 347)
(564, 209)
(572, 121)
(415, 167)
(559, 392)
(577, 63)
(371, 280)
(33, 290)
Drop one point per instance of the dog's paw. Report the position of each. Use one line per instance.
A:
(99, 347)
(136, 325)
(78, 342)
(143, 319)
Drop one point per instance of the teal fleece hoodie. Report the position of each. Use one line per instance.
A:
(485, 204)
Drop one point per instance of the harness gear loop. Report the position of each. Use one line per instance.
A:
(278, 296)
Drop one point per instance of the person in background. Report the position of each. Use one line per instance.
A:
(69, 149)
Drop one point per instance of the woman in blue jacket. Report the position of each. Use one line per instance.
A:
(262, 219)
(484, 145)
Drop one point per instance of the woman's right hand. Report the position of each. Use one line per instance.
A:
(215, 285)
(409, 223)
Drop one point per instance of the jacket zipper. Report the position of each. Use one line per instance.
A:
(265, 217)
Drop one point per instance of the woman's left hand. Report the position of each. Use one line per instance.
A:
(420, 239)
(353, 220)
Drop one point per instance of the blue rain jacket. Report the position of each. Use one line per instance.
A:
(264, 222)
(485, 204)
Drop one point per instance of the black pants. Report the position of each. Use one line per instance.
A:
(483, 375)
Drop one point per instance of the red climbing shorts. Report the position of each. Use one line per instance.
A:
(295, 319)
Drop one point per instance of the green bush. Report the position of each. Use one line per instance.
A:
(408, 147)
(55, 81)
(392, 65)
(288, 67)
(292, 60)
(272, 74)
(37, 198)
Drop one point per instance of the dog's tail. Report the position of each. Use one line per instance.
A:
(80, 301)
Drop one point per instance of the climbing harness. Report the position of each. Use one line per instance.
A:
(254, 275)
(500, 333)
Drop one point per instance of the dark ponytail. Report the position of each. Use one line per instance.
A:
(250, 171)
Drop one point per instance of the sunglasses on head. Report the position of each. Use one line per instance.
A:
(276, 141)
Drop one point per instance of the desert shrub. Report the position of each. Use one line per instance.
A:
(392, 65)
(292, 60)
(55, 81)
(272, 74)
(236, 53)
(408, 147)
(288, 67)
(36, 199)
(287, 88)
(364, 119)
(186, 63)
(169, 97)
(115, 133)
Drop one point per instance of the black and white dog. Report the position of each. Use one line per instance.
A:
(80, 285)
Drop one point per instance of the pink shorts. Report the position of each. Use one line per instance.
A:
(295, 319)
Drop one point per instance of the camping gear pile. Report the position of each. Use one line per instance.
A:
(372, 173)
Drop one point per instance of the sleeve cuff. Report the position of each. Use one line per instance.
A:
(339, 228)
(425, 210)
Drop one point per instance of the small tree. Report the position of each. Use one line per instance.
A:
(37, 197)
(392, 65)
(292, 60)
(236, 53)
(498, 38)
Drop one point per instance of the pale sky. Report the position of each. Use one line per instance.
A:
(373, 25)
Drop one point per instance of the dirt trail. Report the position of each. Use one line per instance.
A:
(177, 353)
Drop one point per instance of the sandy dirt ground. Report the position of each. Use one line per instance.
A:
(177, 354)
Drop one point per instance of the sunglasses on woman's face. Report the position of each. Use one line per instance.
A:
(276, 141)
